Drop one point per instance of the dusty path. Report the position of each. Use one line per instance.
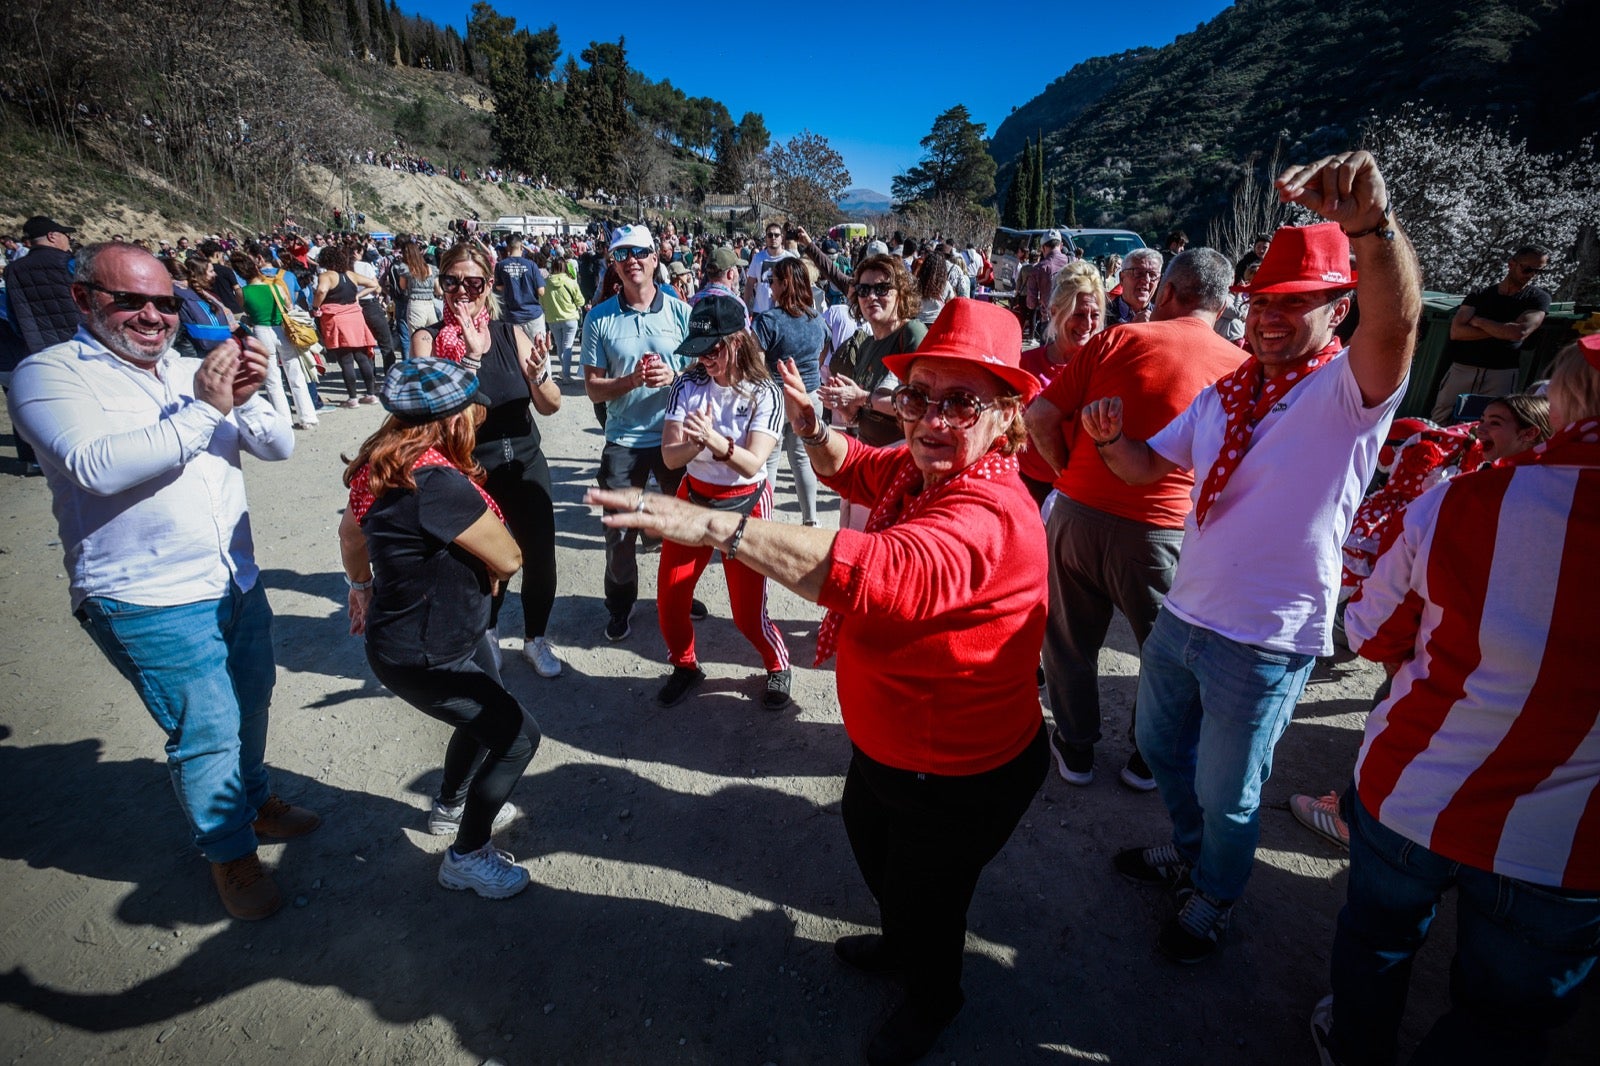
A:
(690, 870)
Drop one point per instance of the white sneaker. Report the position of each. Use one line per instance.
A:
(442, 820)
(490, 872)
(1321, 1026)
(542, 656)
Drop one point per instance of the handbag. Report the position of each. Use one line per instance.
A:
(297, 324)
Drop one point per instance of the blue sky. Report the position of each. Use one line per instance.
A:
(802, 68)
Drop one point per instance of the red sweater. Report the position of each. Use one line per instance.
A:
(943, 619)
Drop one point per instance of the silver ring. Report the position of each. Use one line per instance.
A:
(639, 507)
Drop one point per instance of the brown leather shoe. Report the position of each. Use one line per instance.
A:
(248, 892)
(278, 819)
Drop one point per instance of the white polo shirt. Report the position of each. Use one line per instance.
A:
(1265, 568)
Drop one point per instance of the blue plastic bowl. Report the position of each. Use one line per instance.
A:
(207, 333)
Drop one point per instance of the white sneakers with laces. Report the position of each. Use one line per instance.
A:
(490, 872)
(442, 820)
(542, 657)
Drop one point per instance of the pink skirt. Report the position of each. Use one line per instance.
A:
(343, 326)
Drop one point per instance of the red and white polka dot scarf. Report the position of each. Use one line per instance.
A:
(362, 499)
(1245, 409)
(451, 344)
(1578, 443)
(901, 502)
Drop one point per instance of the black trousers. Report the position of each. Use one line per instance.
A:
(921, 840)
(622, 467)
(494, 738)
(378, 322)
(519, 481)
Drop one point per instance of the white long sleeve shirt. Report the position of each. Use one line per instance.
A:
(148, 493)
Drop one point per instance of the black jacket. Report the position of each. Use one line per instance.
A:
(39, 290)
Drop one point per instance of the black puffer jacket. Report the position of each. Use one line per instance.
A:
(39, 288)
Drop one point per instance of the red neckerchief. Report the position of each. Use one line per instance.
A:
(361, 498)
(1576, 445)
(901, 502)
(451, 343)
(1245, 408)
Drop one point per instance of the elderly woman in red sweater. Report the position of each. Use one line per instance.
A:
(936, 612)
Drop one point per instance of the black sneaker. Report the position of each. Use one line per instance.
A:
(684, 679)
(1161, 866)
(697, 611)
(1075, 765)
(1194, 934)
(1136, 775)
(617, 627)
(869, 953)
(777, 696)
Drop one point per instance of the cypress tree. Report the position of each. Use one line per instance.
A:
(1049, 212)
(1072, 208)
(1038, 184)
(1010, 212)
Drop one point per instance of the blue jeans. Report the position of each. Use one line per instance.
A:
(1210, 712)
(205, 672)
(562, 334)
(1522, 952)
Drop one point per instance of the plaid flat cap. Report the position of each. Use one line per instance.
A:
(426, 390)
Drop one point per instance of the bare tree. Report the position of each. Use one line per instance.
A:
(1254, 208)
(952, 217)
(808, 177)
(643, 165)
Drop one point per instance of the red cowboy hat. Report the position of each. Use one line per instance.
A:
(1588, 344)
(1305, 259)
(976, 332)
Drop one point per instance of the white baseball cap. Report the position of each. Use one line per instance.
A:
(632, 237)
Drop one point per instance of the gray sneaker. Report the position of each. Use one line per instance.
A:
(490, 872)
(443, 821)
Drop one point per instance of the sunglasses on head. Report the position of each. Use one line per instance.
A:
(474, 286)
(880, 289)
(622, 255)
(960, 409)
(135, 301)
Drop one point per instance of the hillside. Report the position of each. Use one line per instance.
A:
(1152, 139)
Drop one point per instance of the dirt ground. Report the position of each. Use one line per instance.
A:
(689, 867)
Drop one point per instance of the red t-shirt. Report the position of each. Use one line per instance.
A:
(943, 618)
(1158, 368)
(1037, 361)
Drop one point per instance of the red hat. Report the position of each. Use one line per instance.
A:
(1589, 344)
(973, 331)
(1305, 259)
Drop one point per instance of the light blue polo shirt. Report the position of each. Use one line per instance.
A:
(615, 338)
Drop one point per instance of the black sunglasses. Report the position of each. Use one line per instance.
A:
(959, 408)
(880, 289)
(622, 255)
(135, 301)
(473, 286)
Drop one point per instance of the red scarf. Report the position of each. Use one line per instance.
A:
(1247, 395)
(901, 502)
(451, 343)
(1576, 445)
(361, 498)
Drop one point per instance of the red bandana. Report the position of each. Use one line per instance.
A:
(1576, 445)
(1245, 408)
(451, 343)
(901, 502)
(361, 498)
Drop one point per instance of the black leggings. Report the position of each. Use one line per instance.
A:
(521, 486)
(378, 322)
(494, 738)
(349, 359)
(921, 840)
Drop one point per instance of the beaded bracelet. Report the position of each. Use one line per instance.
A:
(733, 542)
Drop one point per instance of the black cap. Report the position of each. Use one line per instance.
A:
(41, 226)
(712, 319)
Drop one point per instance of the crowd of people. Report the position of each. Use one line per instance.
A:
(1197, 444)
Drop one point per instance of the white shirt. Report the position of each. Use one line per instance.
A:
(1265, 568)
(149, 496)
(763, 292)
(736, 411)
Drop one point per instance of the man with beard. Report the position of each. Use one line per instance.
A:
(141, 450)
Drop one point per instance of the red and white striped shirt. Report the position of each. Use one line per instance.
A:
(1487, 750)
